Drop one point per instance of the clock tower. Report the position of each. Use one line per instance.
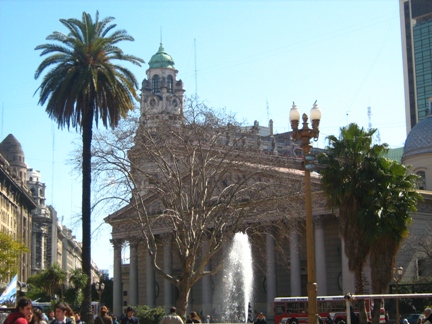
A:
(162, 95)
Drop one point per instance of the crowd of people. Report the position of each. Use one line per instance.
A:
(25, 313)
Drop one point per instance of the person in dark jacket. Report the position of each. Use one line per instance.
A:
(60, 314)
(193, 318)
(103, 317)
(22, 313)
(428, 316)
(260, 319)
(129, 318)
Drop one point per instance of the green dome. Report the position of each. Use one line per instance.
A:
(161, 59)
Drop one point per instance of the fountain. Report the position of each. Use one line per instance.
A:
(236, 290)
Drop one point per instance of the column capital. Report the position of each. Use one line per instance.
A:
(134, 241)
(319, 221)
(117, 243)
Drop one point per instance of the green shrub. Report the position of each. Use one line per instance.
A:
(147, 315)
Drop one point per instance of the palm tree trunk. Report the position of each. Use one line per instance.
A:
(86, 309)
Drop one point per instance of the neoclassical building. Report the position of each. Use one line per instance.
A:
(28, 218)
(16, 203)
(279, 262)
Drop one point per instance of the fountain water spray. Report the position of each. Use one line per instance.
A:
(237, 290)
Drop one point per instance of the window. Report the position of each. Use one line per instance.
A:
(424, 266)
(421, 182)
(170, 82)
(156, 83)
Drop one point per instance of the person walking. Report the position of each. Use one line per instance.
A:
(38, 316)
(260, 319)
(428, 316)
(193, 318)
(60, 314)
(172, 317)
(103, 317)
(129, 318)
(22, 313)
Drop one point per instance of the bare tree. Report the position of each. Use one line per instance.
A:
(198, 180)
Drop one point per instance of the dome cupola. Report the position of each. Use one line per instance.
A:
(419, 140)
(161, 59)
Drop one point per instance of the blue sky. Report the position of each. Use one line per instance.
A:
(252, 57)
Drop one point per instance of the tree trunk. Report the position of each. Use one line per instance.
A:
(182, 300)
(359, 290)
(376, 312)
(86, 309)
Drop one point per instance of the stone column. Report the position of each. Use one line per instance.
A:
(271, 274)
(320, 259)
(150, 282)
(295, 274)
(133, 272)
(206, 285)
(348, 282)
(168, 288)
(117, 286)
(33, 250)
(43, 247)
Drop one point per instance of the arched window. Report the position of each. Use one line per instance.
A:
(421, 183)
(170, 82)
(156, 83)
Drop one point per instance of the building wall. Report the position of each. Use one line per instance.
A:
(416, 28)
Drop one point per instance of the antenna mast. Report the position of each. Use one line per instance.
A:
(369, 118)
(196, 76)
(268, 111)
(378, 137)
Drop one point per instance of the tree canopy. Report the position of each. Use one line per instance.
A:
(374, 197)
(10, 252)
(84, 84)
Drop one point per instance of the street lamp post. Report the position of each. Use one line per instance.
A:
(305, 134)
(99, 289)
(397, 277)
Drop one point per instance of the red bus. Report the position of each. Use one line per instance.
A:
(293, 310)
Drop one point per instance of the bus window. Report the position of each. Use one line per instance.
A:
(303, 307)
(279, 309)
(292, 307)
(324, 306)
(338, 306)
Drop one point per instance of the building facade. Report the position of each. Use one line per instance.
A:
(279, 261)
(16, 202)
(25, 215)
(416, 27)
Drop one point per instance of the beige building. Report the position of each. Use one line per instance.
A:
(16, 203)
(279, 262)
(24, 214)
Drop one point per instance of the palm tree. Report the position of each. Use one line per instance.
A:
(349, 161)
(78, 280)
(83, 85)
(395, 197)
(50, 280)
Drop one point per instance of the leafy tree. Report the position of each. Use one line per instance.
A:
(51, 280)
(348, 163)
(10, 252)
(391, 201)
(201, 180)
(84, 84)
(77, 281)
(147, 315)
(374, 196)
